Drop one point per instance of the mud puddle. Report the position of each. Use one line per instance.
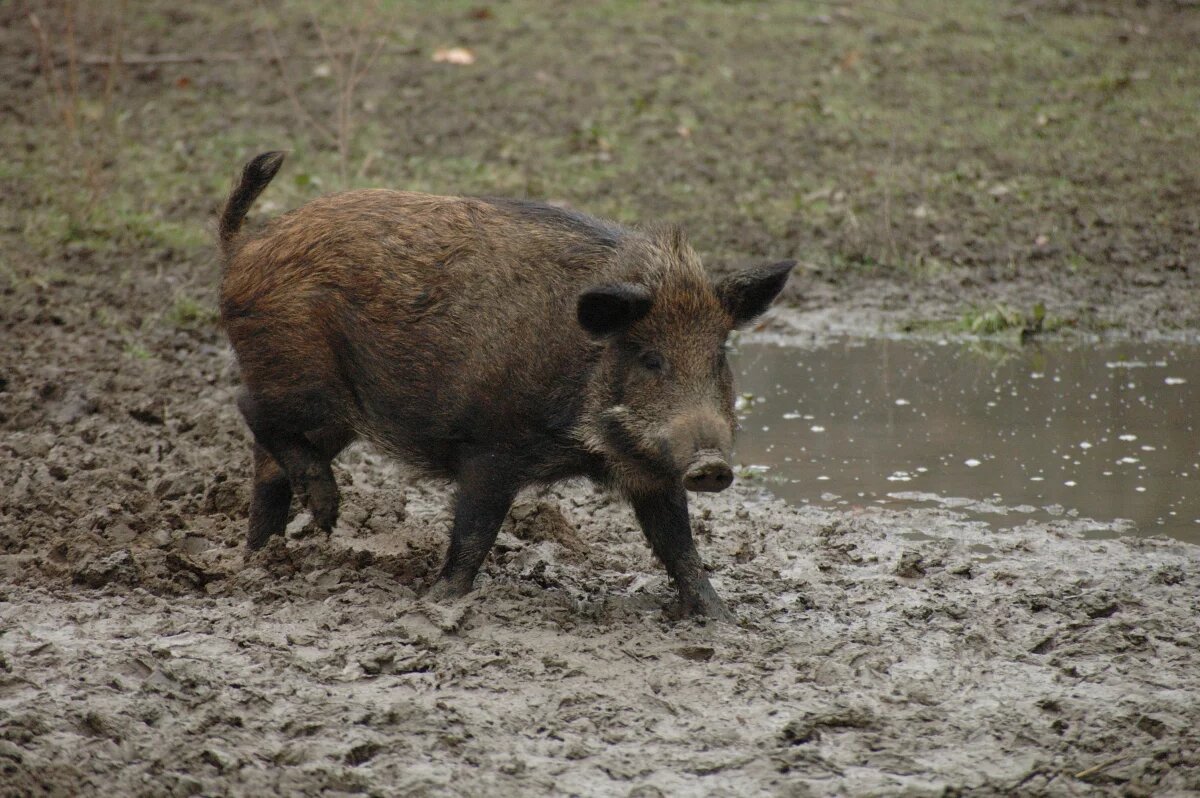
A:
(1004, 434)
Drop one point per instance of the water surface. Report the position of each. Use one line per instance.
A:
(1005, 433)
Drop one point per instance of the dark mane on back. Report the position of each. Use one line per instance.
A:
(596, 231)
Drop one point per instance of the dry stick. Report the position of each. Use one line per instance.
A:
(72, 50)
(887, 203)
(90, 163)
(150, 59)
(57, 93)
(339, 78)
(348, 77)
(368, 159)
(90, 159)
(356, 77)
(116, 47)
(290, 91)
(1097, 768)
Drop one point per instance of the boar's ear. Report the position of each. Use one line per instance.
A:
(747, 294)
(611, 309)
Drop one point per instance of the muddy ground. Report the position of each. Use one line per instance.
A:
(924, 161)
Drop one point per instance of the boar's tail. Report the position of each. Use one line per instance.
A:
(255, 176)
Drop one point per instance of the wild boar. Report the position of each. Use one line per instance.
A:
(497, 343)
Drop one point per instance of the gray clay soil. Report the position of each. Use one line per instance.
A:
(877, 652)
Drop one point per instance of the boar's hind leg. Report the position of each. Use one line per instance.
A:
(272, 495)
(280, 431)
(664, 519)
(485, 492)
(270, 500)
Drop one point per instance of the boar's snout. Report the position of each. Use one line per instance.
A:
(708, 472)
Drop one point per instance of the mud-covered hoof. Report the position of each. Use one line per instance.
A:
(257, 538)
(710, 609)
(325, 516)
(320, 496)
(446, 590)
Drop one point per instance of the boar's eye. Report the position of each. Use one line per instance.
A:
(651, 360)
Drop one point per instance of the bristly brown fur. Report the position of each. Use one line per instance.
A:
(444, 329)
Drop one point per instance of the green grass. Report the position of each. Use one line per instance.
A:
(993, 320)
(187, 312)
(896, 137)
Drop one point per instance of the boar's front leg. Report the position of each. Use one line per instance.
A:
(485, 492)
(664, 519)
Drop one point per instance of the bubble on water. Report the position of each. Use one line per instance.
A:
(1037, 479)
(817, 428)
(1140, 488)
(1070, 483)
(1175, 380)
(1147, 448)
(1127, 437)
(902, 402)
(900, 476)
(971, 463)
(1128, 460)
(791, 416)
(1085, 445)
(822, 478)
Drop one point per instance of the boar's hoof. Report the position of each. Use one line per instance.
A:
(320, 496)
(708, 475)
(712, 609)
(446, 590)
(257, 537)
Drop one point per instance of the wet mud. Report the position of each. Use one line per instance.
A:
(890, 651)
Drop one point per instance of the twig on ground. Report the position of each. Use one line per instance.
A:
(289, 89)
(149, 59)
(1083, 774)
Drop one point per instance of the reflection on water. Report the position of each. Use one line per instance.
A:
(1004, 433)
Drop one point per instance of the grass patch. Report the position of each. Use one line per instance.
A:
(137, 351)
(995, 319)
(881, 138)
(188, 313)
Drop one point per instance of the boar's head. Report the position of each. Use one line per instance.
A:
(660, 399)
